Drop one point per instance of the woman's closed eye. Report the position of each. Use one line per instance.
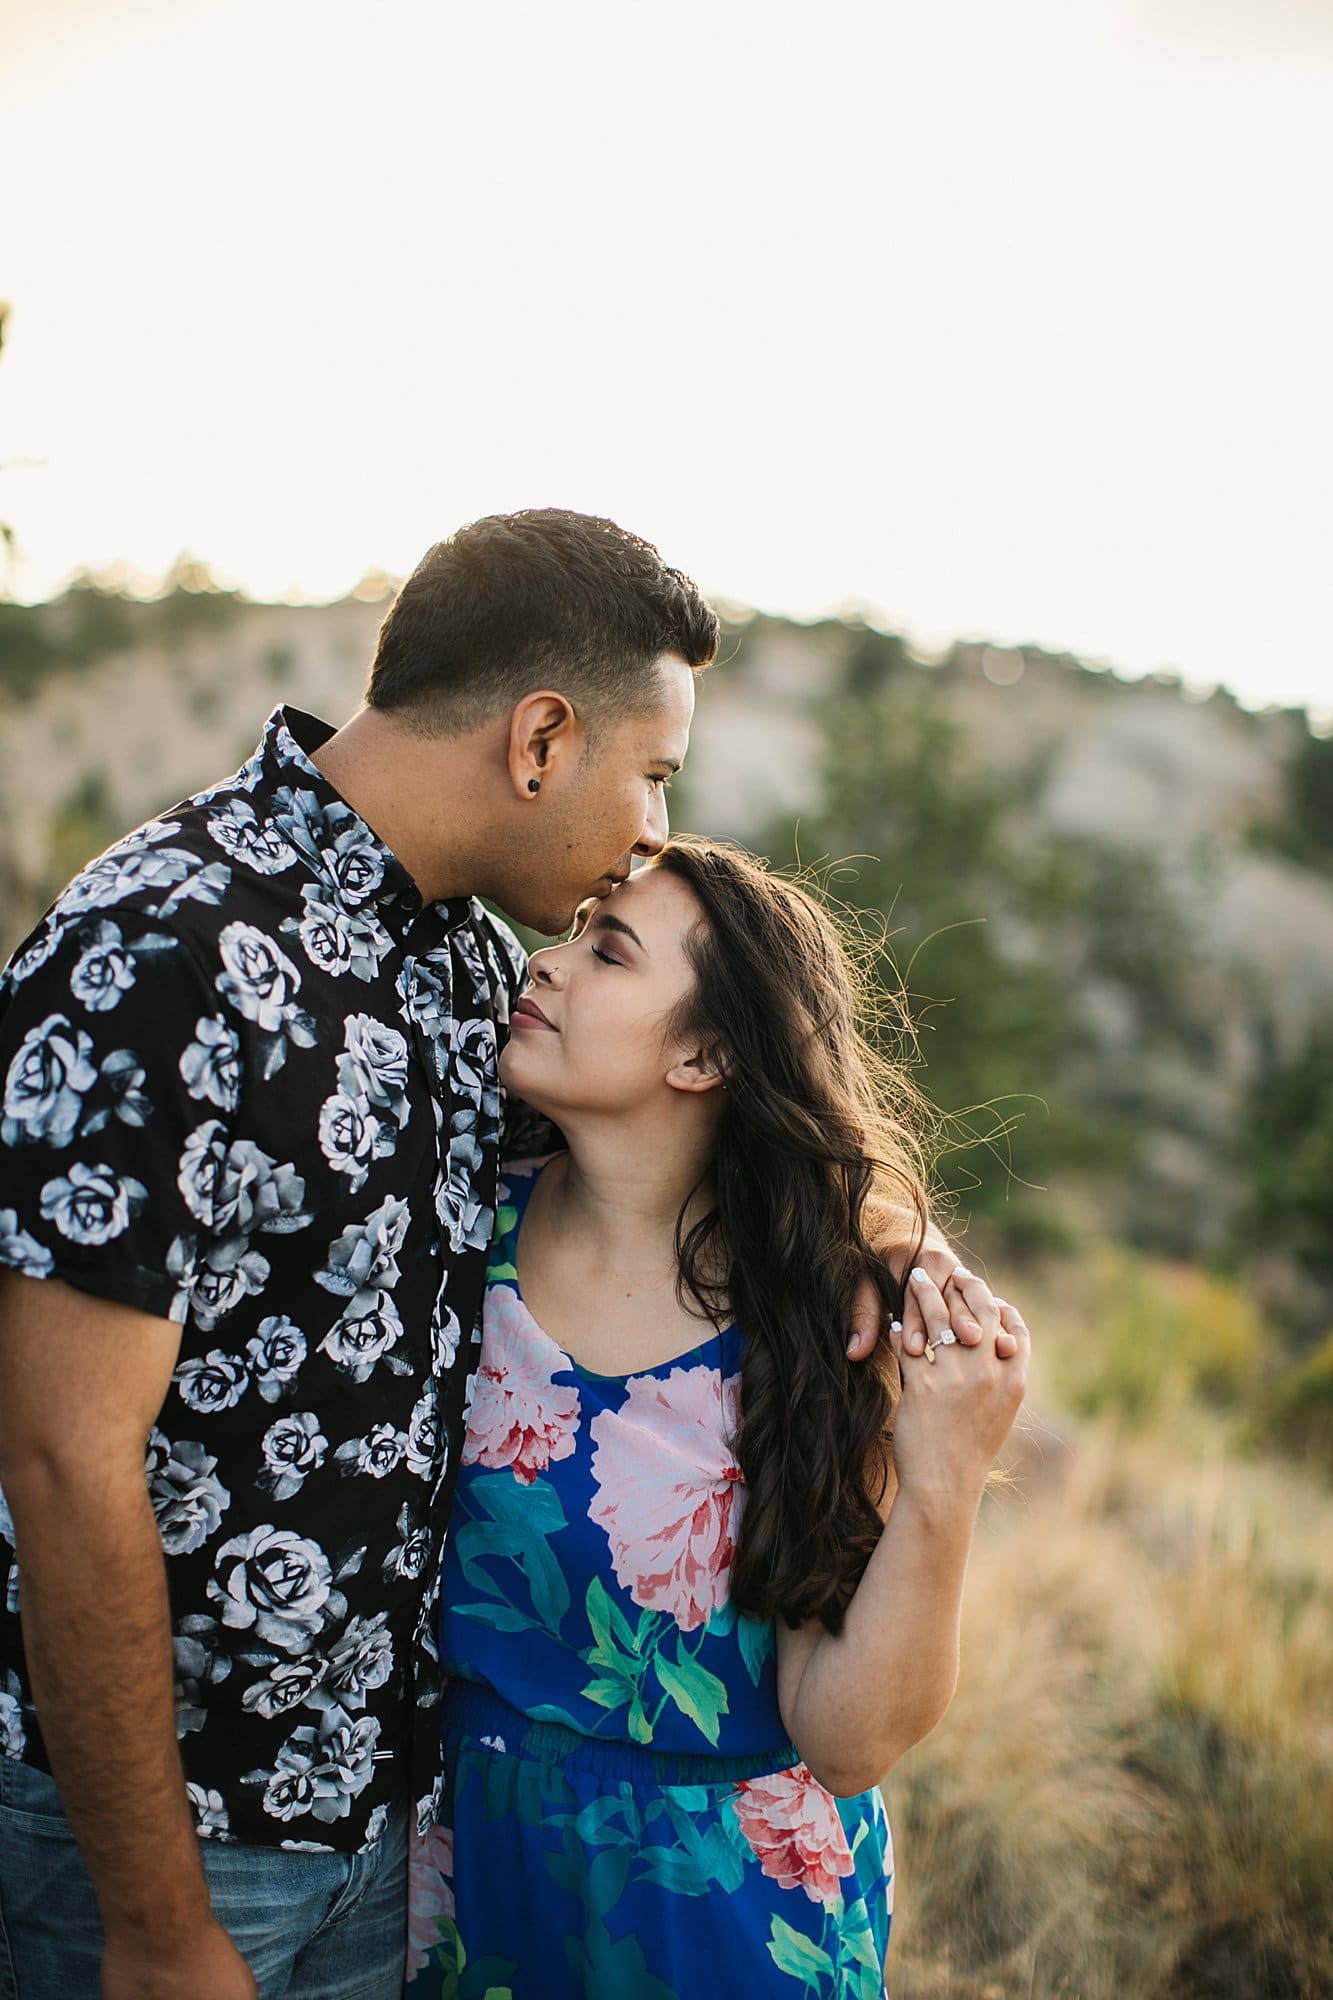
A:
(605, 956)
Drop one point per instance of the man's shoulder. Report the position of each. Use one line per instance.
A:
(167, 882)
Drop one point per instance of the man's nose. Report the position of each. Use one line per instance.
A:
(656, 826)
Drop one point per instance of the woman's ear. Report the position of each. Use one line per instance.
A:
(702, 1070)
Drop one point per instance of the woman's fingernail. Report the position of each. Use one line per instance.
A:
(895, 1326)
(961, 1271)
(920, 1277)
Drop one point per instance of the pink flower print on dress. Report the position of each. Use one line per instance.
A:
(669, 1492)
(430, 1893)
(519, 1416)
(792, 1824)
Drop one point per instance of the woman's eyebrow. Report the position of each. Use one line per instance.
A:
(604, 921)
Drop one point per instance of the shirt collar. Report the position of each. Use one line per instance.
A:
(331, 836)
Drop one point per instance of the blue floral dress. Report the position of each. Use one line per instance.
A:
(624, 1816)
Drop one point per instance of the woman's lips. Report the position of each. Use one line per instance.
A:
(528, 1014)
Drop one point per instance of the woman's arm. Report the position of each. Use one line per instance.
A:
(855, 1701)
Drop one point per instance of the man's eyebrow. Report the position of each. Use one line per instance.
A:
(604, 921)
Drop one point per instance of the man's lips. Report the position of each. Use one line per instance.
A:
(529, 1014)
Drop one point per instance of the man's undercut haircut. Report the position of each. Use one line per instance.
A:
(539, 599)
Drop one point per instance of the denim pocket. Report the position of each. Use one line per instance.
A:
(30, 1796)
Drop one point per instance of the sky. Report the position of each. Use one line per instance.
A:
(1010, 321)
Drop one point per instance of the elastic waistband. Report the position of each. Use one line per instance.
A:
(470, 1712)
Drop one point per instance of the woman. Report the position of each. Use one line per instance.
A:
(696, 1604)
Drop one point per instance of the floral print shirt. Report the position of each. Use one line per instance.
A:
(250, 1086)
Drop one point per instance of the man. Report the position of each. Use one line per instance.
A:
(247, 1177)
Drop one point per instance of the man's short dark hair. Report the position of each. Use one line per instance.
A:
(543, 598)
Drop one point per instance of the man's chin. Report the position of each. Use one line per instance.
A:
(558, 922)
(555, 921)
(538, 917)
(555, 925)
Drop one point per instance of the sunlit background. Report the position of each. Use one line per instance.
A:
(1011, 320)
(977, 357)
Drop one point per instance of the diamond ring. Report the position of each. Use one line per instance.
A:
(946, 1339)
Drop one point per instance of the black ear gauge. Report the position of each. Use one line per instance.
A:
(534, 784)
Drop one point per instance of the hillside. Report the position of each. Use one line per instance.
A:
(1153, 987)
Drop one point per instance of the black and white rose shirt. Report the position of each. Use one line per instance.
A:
(250, 1086)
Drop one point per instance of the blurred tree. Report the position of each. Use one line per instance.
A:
(1310, 786)
(26, 648)
(1301, 824)
(1287, 1149)
(997, 939)
(81, 826)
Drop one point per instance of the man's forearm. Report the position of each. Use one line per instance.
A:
(97, 1633)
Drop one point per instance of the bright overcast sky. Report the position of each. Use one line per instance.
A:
(1001, 317)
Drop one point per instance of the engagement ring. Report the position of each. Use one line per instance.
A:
(946, 1339)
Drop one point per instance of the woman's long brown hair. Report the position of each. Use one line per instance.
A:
(814, 1147)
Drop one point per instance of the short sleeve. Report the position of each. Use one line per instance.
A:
(121, 1074)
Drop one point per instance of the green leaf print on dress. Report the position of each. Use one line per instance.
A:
(515, 1537)
(624, 1656)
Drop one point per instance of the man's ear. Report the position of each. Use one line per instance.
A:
(545, 738)
(704, 1069)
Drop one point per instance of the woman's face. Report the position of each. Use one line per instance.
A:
(591, 1031)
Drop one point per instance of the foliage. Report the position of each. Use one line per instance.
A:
(1133, 1791)
(996, 939)
(1158, 1336)
(1296, 1415)
(1286, 1143)
(1303, 827)
(94, 618)
(27, 649)
(81, 826)
(1310, 790)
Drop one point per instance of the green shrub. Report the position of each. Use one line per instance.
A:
(1296, 1415)
(1158, 1335)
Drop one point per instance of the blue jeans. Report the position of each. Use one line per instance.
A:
(311, 1926)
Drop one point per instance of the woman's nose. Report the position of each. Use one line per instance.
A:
(547, 966)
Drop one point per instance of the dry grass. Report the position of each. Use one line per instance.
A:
(1132, 1795)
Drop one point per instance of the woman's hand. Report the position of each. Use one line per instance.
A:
(959, 1399)
(974, 1310)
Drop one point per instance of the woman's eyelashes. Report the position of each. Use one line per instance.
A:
(605, 956)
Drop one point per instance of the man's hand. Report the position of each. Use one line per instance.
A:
(972, 1317)
(206, 1966)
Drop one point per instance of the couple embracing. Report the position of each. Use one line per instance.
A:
(392, 1486)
